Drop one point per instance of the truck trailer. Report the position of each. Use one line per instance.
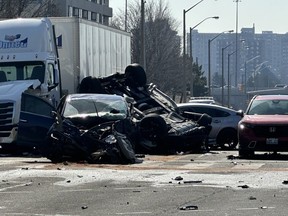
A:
(48, 57)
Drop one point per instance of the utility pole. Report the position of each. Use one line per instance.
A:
(143, 57)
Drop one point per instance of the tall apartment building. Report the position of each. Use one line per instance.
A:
(252, 50)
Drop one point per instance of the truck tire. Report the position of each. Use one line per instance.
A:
(135, 76)
(153, 127)
(90, 85)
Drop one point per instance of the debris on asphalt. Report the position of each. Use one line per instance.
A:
(178, 178)
(252, 198)
(231, 157)
(84, 207)
(189, 207)
(243, 186)
(193, 182)
(285, 182)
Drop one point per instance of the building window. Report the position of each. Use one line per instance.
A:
(94, 16)
(84, 14)
(75, 12)
(70, 11)
(100, 19)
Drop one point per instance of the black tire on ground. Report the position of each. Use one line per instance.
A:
(153, 127)
(52, 150)
(245, 153)
(227, 139)
(90, 85)
(135, 76)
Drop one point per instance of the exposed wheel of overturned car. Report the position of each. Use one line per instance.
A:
(90, 85)
(153, 126)
(135, 76)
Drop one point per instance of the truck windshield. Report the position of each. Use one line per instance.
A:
(11, 71)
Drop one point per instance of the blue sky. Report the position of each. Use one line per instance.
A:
(266, 15)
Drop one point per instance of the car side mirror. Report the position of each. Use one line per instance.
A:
(240, 113)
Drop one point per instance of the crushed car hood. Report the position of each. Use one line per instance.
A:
(266, 119)
(12, 90)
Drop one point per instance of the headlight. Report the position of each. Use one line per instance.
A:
(244, 125)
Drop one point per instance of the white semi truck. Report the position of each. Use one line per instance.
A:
(32, 51)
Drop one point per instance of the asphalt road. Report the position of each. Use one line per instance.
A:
(215, 183)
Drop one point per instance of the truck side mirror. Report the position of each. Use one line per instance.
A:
(56, 77)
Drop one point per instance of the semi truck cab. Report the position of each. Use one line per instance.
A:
(28, 63)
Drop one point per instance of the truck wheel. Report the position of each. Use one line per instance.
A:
(90, 85)
(227, 139)
(135, 76)
(153, 126)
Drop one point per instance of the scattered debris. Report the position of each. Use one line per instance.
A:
(178, 178)
(192, 182)
(189, 207)
(84, 207)
(243, 186)
(231, 157)
(252, 198)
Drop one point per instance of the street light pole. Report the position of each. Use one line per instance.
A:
(184, 50)
(209, 60)
(143, 57)
(191, 51)
(236, 60)
(222, 93)
(245, 71)
(228, 77)
(191, 29)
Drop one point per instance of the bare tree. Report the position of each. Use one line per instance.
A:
(162, 44)
(27, 8)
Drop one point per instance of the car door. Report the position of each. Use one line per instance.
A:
(35, 120)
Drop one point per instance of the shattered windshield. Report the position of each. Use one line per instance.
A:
(105, 108)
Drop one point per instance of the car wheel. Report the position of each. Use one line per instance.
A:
(90, 85)
(153, 126)
(245, 153)
(135, 76)
(55, 153)
(227, 139)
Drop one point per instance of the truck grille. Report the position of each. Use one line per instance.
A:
(6, 118)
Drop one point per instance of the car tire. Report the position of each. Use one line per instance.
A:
(245, 153)
(153, 127)
(135, 76)
(90, 85)
(227, 139)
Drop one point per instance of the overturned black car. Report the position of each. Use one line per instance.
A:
(160, 126)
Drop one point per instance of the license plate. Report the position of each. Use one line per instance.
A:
(272, 141)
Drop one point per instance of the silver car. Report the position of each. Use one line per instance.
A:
(224, 123)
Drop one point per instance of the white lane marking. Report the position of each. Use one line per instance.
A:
(244, 209)
(14, 186)
(133, 213)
